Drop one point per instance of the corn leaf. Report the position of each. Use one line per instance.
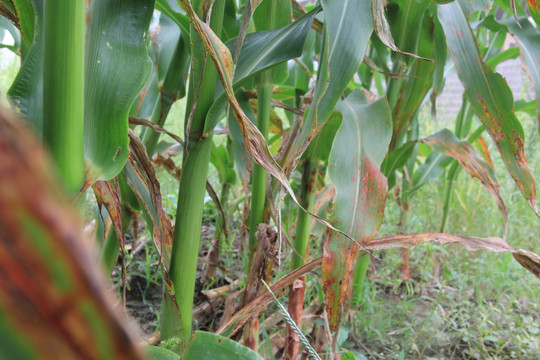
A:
(141, 178)
(490, 98)
(208, 346)
(527, 259)
(117, 68)
(53, 301)
(26, 92)
(173, 11)
(414, 88)
(382, 29)
(159, 353)
(359, 148)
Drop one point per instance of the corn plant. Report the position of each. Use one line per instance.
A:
(320, 103)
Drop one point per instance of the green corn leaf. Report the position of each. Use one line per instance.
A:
(359, 149)
(26, 92)
(117, 68)
(208, 346)
(281, 16)
(430, 170)
(397, 158)
(440, 54)
(414, 88)
(242, 158)
(159, 353)
(173, 11)
(220, 159)
(490, 98)
(116, 54)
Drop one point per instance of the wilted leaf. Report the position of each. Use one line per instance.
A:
(256, 306)
(448, 144)
(53, 301)
(382, 29)
(529, 261)
(490, 97)
(260, 51)
(141, 177)
(255, 142)
(108, 194)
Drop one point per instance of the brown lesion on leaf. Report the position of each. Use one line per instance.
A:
(533, 4)
(519, 154)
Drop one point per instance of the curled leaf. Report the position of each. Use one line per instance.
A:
(445, 142)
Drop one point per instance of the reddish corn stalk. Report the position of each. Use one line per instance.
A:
(296, 304)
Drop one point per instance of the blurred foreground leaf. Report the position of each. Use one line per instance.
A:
(53, 300)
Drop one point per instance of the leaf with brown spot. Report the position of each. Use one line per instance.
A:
(53, 300)
(107, 194)
(490, 97)
(446, 143)
(529, 261)
(359, 148)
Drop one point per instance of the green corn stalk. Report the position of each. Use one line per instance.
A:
(63, 84)
(258, 178)
(268, 15)
(192, 183)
